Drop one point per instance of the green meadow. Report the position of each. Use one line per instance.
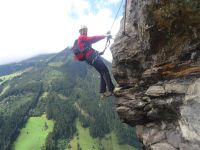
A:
(83, 140)
(4, 89)
(33, 136)
(13, 75)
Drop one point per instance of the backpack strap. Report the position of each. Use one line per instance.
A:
(87, 46)
(80, 54)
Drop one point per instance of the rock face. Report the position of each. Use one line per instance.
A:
(157, 62)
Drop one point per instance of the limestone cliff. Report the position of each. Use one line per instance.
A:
(158, 65)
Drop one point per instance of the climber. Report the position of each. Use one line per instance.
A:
(93, 58)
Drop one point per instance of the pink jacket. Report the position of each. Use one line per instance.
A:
(85, 41)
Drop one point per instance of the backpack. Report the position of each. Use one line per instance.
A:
(78, 54)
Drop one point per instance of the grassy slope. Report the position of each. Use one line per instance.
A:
(88, 143)
(33, 136)
(13, 75)
(4, 90)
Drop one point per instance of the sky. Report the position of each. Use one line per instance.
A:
(32, 27)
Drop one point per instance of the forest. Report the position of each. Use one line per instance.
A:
(64, 90)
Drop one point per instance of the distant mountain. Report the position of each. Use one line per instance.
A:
(62, 89)
(13, 67)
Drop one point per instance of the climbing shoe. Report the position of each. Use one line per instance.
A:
(117, 89)
(106, 94)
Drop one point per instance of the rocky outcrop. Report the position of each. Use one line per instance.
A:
(157, 64)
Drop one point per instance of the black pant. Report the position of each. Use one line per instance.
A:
(99, 65)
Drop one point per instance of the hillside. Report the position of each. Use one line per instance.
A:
(61, 89)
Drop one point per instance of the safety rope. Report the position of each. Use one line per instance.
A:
(124, 25)
(116, 15)
(106, 46)
(109, 32)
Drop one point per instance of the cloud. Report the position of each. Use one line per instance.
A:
(31, 27)
(112, 1)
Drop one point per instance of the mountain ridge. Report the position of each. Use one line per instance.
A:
(53, 84)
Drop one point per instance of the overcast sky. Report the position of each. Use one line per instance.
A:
(32, 27)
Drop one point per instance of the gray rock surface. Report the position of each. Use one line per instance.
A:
(158, 66)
